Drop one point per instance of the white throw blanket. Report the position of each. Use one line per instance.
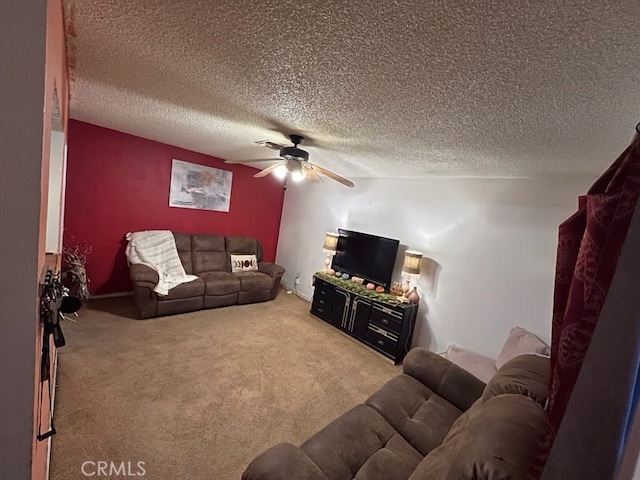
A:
(157, 249)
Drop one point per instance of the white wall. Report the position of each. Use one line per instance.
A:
(492, 245)
(56, 187)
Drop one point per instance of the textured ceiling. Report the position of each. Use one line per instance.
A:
(381, 88)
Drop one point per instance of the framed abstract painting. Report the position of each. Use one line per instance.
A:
(200, 187)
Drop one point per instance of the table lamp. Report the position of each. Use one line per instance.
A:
(329, 248)
(410, 271)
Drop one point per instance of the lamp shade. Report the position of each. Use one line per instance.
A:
(330, 242)
(412, 262)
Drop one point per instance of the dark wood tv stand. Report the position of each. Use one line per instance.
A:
(378, 320)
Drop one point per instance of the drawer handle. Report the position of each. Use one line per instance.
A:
(320, 310)
(321, 301)
(384, 320)
(380, 342)
(386, 310)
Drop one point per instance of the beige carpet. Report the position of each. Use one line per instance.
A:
(199, 395)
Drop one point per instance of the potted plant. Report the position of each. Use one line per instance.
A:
(75, 260)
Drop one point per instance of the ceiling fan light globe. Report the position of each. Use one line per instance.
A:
(290, 165)
(280, 171)
(297, 176)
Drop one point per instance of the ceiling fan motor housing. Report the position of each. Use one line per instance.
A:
(294, 152)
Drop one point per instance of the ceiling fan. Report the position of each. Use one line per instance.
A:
(294, 160)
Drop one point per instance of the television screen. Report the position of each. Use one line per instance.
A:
(367, 256)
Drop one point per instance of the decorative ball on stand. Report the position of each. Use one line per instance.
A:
(345, 276)
(370, 286)
(380, 289)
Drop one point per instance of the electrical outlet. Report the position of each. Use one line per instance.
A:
(297, 280)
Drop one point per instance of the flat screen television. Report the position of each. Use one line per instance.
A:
(367, 256)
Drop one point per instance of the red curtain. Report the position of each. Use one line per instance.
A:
(589, 244)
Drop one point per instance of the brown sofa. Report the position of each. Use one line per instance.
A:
(208, 257)
(435, 421)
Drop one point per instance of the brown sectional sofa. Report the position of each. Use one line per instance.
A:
(208, 257)
(435, 421)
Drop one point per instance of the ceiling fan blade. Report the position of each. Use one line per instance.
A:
(254, 160)
(310, 175)
(268, 170)
(271, 145)
(332, 176)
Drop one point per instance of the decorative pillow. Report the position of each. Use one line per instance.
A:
(243, 263)
(521, 342)
(479, 365)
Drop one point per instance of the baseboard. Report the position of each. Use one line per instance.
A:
(288, 291)
(305, 298)
(113, 295)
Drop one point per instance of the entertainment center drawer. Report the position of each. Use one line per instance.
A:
(386, 318)
(321, 310)
(323, 289)
(382, 340)
(323, 299)
(323, 303)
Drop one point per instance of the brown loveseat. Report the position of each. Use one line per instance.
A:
(435, 421)
(208, 257)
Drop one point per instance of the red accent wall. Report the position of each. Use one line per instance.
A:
(119, 183)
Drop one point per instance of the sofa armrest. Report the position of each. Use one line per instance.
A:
(444, 377)
(283, 462)
(141, 274)
(271, 269)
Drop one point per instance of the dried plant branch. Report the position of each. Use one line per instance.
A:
(75, 257)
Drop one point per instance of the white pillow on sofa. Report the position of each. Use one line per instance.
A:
(475, 363)
(243, 263)
(521, 342)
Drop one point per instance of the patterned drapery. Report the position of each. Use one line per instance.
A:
(589, 245)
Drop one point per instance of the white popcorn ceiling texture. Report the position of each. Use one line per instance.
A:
(380, 88)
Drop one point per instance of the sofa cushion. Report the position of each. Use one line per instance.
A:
(191, 289)
(183, 245)
(360, 444)
(283, 461)
(241, 245)
(271, 269)
(395, 461)
(253, 281)
(525, 375)
(220, 283)
(419, 415)
(207, 242)
(495, 439)
(209, 254)
(142, 275)
(445, 378)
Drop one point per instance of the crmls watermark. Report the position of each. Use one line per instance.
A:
(101, 468)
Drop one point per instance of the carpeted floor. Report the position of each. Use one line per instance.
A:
(199, 395)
